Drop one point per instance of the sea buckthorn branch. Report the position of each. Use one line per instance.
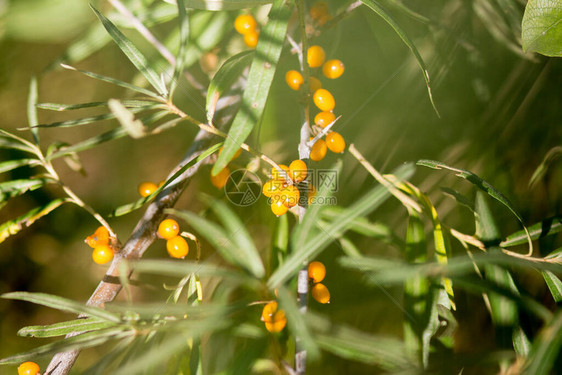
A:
(141, 238)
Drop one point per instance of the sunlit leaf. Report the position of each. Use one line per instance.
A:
(554, 285)
(31, 110)
(541, 29)
(131, 103)
(542, 229)
(64, 328)
(13, 188)
(9, 165)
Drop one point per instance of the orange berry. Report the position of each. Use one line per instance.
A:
(316, 271)
(100, 237)
(268, 311)
(168, 229)
(245, 23)
(290, 196)
(275, 320)
(324, 119)
(278, 207)
(335, 142)
(221, 178)
(324, 100)
(28, 368)
(102, 254)
(315, 56)
(147, 188)
(298, 170)
(319, 9)
(333, 69)
(236, 155)
(272, 187)
(294, 79)
(314, 84)
(318, 151)
(177, 247)
(251, 39)
(320, 293)
(276, 175)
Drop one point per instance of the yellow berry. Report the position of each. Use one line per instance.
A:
(168, 229)
(294, 79)
(100, 237)
(316, 271)
(318, 150)
(324, 100)
(320, 293)
(275, 320)
(324, 119)
(272, 187)
(245, 23)
(28, 368)
(277, 175)
(315, 56)
(177, 247)
(297, 170)
(221, 178)
(290, 196)
(318, 10)
(333, 69)
(236, 155)
(314, 84)
(268, 311)
(251, 38)
(102, 254)
(278, 207)
(147, 188)
(335, 142)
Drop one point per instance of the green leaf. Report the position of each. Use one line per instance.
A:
(13, 164)
(10, 189)
(134, 127)
(31, 110)
(64, 328)
(63, 304)
(131, 103)
(12, 227)
(551, 156)
(9, 140)
(539, 230)
(217, 5)
(546, 348)
(541, 29)
(248, 255)
(184, 36)
(378, 9)
(113, 81)
(264, 65)
(229, 72)
(222, 241)
(319, 240)
(83, 341)
(554, 285)
(134, 55)
(127, 208)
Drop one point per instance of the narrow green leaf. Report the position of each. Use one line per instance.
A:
(546, 348)
(31, 110)
(64, 328)
(10, 189)
(264, 65)
(378, 9)
(461, 199)
(13, 164)
(131, 103)
(12, 227)
(9, 140)
(248, 256)
(127, 208)
(539, 230)
(83, 341)
(184, 36)
(554, 285)
(134, 55)
(551, 156)
(319, 240)
(218, 5)
(229, 72)
(63, 304)
(113, 81)
(541, 29)
(521, 343)
(134, 127)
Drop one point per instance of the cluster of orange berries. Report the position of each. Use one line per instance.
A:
(274, 319)
(28, 368)
(220, 179)
(317, 273)
(176, 245)
(246, 25)
(284, 195)
(322, 98)
(99, 241)
(319, 13)
(147, 188)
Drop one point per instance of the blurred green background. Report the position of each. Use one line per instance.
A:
(500, 114)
